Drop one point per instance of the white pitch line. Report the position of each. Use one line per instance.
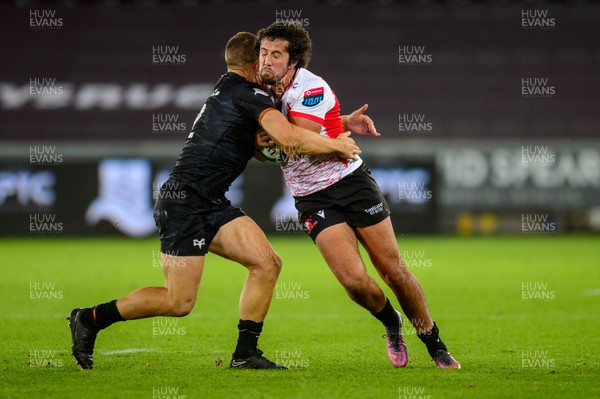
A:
(592, 292)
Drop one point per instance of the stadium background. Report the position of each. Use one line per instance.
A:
(82, 85)
(97, 98)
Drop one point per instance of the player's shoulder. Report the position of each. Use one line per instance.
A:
(306, 79)
(233, 82)
(307, 83)
(244, 90)
(309, 90)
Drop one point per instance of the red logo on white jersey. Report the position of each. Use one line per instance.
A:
(314, 92)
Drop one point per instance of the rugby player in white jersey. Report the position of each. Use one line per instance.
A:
(337, 199)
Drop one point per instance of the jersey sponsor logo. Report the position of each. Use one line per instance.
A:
(313, 97)
(199, 243)
(260, 91)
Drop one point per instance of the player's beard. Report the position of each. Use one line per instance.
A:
(278, 84)
(269, 79)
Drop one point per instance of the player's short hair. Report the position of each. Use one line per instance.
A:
(239, 51)
(299, 43)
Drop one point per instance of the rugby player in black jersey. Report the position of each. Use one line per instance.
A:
(194, 216)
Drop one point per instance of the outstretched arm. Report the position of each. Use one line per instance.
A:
(296, 139)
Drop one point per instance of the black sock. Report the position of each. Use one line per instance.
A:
(247, 342)
(87, 319)
(432, 340)
(389, 317)
(102, 316)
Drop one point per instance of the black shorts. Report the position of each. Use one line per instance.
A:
(356, 200)
(187, 223)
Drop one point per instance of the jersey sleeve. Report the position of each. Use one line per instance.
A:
(313, 102)
(253, 103)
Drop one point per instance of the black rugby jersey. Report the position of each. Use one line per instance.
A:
(222, 140)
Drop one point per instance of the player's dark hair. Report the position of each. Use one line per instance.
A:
(299, 43)
(239, 51)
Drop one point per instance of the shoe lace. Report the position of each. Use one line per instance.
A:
(260, 355)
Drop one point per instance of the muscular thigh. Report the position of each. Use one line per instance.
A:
(182, 274)
(242, 241)
(380, 242)
(339, 248)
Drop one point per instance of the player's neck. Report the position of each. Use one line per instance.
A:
(283, 84)
(250, 76)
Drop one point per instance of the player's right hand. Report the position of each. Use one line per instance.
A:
(263, 139)
(348, 148)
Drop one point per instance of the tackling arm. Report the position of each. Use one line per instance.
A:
(304, 141)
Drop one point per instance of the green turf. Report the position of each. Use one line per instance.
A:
(474, 288)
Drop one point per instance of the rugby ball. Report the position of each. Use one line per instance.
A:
(273, 154)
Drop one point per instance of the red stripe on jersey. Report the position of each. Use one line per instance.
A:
(308, 116)
(333, 123)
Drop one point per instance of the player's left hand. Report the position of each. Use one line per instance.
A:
(360, 123)
(263, 139)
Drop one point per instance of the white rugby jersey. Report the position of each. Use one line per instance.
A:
(310, 97)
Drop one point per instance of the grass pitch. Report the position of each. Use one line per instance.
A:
(519, 313)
